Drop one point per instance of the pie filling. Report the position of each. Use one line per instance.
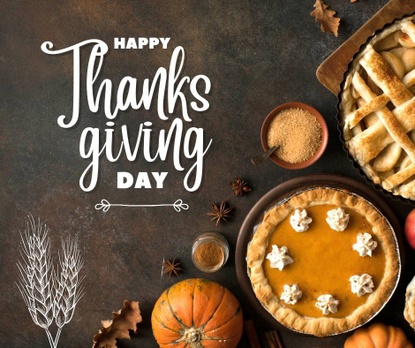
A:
(323, 262)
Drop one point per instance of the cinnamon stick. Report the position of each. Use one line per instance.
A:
(251, 334)
(273, 339)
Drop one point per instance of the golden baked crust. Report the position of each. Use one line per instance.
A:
(377, 105)
(409, 309)
(323, 325)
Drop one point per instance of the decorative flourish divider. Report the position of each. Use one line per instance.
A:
(178, 205)
(50, 293)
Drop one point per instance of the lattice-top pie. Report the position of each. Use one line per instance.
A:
(377, 108)
(323, 262)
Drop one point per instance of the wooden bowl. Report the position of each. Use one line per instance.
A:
(324, 135)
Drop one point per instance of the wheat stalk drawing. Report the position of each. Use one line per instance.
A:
(50, 294)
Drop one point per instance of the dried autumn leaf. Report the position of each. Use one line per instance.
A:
(329, 23)
(124, 320)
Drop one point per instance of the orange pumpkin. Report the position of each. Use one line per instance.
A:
(378, 335)
(197, 313)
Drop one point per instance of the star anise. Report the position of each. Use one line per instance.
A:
(220, 213)
(171, 267)
(240, 187)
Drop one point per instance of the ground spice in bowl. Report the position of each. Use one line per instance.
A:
(296, 132)
(210, 251)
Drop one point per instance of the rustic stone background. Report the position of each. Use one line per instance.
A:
(257, 54)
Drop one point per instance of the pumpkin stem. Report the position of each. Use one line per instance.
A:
(192, 335)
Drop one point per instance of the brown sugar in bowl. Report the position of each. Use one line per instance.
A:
(299, 151)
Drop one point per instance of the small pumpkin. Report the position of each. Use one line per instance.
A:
(197, 313)
(378, 335)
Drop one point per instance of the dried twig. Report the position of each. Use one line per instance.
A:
(251, 334)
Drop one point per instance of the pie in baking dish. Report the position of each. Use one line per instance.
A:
(323, 262)
(377, 108)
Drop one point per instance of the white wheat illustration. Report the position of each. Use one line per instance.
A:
(49, 293)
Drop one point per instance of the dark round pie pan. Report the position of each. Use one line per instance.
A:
(355, 164)
(282, 192)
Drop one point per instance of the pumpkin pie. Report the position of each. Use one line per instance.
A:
(376, 108)
(324, 261)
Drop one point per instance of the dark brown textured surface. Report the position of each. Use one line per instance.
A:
(257, 56)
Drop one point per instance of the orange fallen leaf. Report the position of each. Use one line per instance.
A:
(329, 23)
(123, 321)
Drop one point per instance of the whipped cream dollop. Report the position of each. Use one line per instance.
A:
(279, 257)
(361, 284)
(327, 304)
(291, 294)
(300, 221)
(337, 219)
(365, 244)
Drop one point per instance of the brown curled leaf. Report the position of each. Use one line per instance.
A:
(328, 22)
(123, 321)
